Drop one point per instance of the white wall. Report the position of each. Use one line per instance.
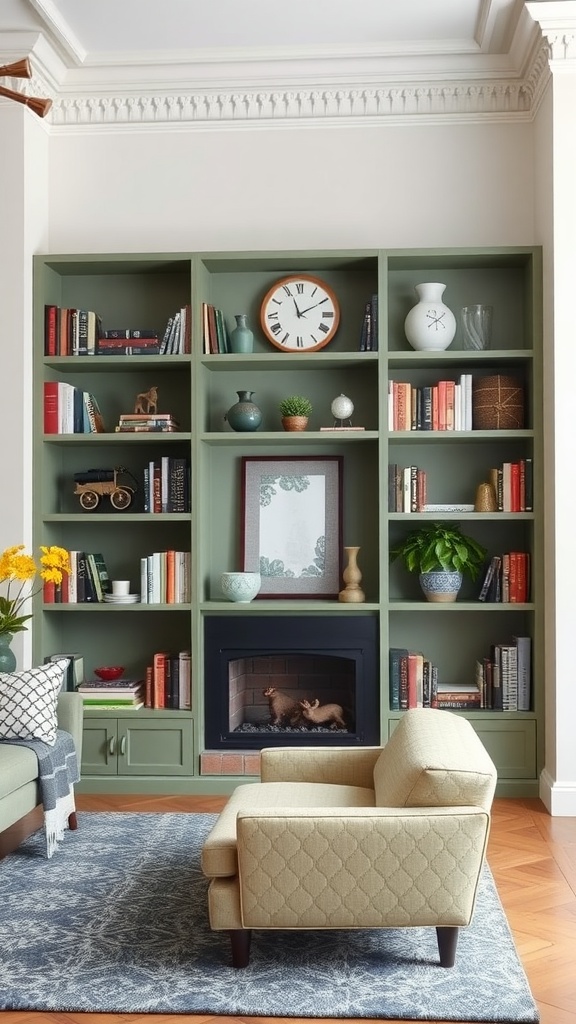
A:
(290, 188)
(23, 229)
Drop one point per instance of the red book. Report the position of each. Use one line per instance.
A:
(513, 578)
(50, 407)
(50, 330)
(170, 576)
(435, 408)
(63, 339)
(49, 592)
(450, 400)
(441, 405)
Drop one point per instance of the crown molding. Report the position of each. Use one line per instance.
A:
(331, 85)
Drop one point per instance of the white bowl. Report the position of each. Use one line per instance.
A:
(241, 587)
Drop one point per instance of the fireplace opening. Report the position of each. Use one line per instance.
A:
(291, 680)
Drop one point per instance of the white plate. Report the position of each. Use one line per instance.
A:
(121, 598)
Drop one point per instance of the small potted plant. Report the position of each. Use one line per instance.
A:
(441, 554)
(295, 411)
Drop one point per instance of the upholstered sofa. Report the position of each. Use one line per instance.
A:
(385, 837)
(19, 793)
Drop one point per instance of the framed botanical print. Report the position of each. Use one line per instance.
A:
(292, 524)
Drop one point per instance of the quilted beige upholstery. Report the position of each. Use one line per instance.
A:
(434, 759)
(314, 846)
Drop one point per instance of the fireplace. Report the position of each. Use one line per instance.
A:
(321, 660)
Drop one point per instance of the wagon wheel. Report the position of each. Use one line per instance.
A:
(89, 500)
(121, 498)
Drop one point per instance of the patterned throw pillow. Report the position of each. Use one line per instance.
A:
(28, 702)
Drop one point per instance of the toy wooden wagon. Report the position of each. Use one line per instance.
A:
(93, 484)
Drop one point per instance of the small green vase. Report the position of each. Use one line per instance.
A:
(7, 656)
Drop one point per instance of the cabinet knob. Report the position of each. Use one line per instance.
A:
(112, 746)
(123, 744)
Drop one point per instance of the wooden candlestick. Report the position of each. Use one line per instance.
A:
(352, 593)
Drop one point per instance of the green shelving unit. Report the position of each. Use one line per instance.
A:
(162, 749)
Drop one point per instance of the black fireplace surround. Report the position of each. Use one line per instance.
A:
(329, 658)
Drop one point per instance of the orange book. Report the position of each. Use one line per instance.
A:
(450, 400)
(441, 405)
(170, 577)
(435, 402)
(159, 679)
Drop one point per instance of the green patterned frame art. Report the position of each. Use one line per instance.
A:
(292, 524)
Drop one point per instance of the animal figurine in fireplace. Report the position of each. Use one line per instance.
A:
(284, 710)
(331, 715)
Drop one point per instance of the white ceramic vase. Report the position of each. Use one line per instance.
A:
(430, 326)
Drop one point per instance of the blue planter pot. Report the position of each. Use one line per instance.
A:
(441, 586)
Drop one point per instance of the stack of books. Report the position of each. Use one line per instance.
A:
(118, 694)
(128, 342)
(136, 422)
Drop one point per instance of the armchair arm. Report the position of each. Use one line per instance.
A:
(344, 766)
(70, 711)
(360, 867)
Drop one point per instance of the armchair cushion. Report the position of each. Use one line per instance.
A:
(220, 851)
(434, 759)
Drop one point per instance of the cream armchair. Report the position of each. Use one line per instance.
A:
(385, 837)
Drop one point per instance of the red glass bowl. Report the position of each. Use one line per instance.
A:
(108, 672)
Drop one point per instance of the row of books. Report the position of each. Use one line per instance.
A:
(79, 332)
(167, 485)
(87, 581)
(446, 405)
(70, 332)
(406, 488)
(502, 681)
(514, 486)
(177, 337)
(507, 578)
(68, 410)
(165, 578)
(214, 332)
(369, 332)
(504, 677)
(168, 681)
(413, 680)
(146, 423)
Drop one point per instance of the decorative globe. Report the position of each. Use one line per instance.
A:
(342, 408)
(241, 587)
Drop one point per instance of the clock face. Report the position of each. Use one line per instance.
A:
(300, 314)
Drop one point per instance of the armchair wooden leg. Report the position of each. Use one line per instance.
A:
(240, 939)
(447, 942)
(72, 821)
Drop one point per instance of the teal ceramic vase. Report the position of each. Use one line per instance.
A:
(244, 414)
(7, 656)
(241, 337)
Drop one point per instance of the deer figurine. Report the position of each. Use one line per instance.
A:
(284, 710)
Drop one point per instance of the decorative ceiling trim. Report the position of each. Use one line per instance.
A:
(467, 101)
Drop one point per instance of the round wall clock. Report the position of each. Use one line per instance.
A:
(300, 314)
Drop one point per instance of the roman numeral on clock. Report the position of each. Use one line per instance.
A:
(323, 328)
(300, 341)
(328, 314)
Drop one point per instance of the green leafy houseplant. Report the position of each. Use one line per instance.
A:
(295, 405)
(438, 546)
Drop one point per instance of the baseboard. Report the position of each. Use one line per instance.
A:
(559, 798)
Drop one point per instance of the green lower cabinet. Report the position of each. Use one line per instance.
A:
(119, 746)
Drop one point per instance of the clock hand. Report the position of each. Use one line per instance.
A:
(311, 307)
(298, 313)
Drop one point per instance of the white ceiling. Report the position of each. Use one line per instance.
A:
(82, 49)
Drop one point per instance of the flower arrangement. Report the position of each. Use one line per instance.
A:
(17, 569)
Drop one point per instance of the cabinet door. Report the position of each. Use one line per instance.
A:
(149, 747)
(99, 747)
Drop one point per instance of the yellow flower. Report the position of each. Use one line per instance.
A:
(18, 568)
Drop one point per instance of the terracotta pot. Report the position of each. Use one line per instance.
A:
(294, 422)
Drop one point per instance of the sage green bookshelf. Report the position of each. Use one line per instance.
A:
(162, 749)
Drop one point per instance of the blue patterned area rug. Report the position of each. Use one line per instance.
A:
(116, 922)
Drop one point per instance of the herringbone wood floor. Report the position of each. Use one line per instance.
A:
(533, 859)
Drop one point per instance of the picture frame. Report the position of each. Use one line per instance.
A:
(292, 524)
